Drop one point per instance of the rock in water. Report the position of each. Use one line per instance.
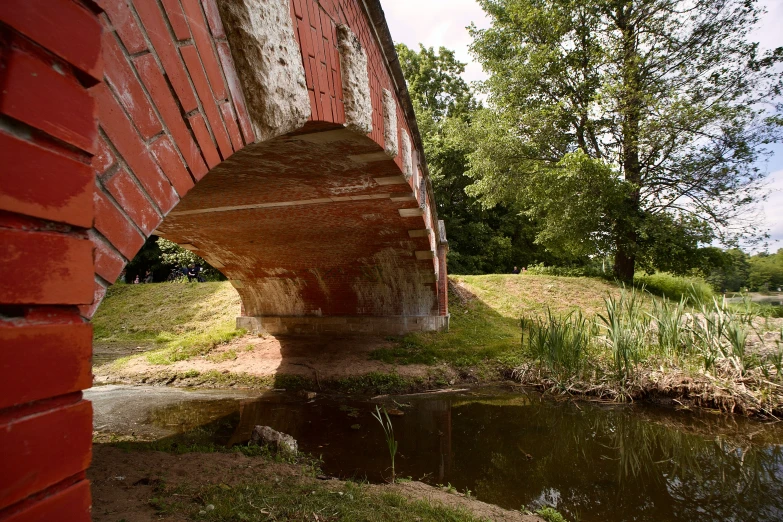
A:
(266, 435)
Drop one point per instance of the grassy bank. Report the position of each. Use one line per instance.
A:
(147, 481)
(566, 335)
(175, 320)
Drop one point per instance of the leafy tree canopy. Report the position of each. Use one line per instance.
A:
(481, 239)
(625, 127)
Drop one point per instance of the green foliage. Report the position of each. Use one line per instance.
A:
(627, 129)
(730, 271)
(388, 431)
(766, 271)
(292, 499)
(181, 320)
(559, 343)
(550, 515)
(174, 256)
(626, 328)
(563, 271)
(695, 289)
(481, 240)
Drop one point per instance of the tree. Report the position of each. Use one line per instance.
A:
(481, 240)
(622, 126)
(731, 272)
(766, 271)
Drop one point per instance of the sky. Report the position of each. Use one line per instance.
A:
(436, 23)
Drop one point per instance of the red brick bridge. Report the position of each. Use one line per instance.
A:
(275, 138)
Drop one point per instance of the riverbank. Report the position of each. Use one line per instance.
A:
(504, 446)
(187, 340)
(144, 486)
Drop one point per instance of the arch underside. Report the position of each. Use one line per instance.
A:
(310, 226)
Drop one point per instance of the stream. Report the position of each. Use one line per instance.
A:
(513, 448)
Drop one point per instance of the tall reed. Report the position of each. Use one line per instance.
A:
(388, 430)
(559, 343)
(626, 331)
(671, 333)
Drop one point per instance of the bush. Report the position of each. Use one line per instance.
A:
(694, 289)
(564, 271)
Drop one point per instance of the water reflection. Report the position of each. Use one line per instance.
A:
(592, 462)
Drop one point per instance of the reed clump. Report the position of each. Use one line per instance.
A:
(701, 350)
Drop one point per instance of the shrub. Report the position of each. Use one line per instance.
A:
(564, 271)
(694, 289)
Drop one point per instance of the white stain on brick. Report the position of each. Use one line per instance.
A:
(407, 161)
(356, 81)
(268, 63)
(276, 296)
(390, 132)
(390, 287)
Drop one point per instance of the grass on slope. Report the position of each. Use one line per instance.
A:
(485, 311)
(185, 319)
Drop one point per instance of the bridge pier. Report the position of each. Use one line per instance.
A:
(348, 325)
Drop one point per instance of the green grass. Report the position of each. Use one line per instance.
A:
(290, 499)
(484, 330)
(694, 289)
(182, 320)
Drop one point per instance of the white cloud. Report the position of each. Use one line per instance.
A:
(773, 211)
(436, 23)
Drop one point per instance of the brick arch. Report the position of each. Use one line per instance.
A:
(120, 118)
(341, 220)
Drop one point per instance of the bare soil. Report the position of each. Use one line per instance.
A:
(315, 357)
(125, 482)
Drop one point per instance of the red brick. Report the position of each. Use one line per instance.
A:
(191, 56)
(41, 450)
(169, 111)
(44, 268)
(213, 16)
(133, 201)
(172, 166)
(39, 182)
(108, 263)
(122, 19)
(104, 159)
(153, 22)
(87, 311)
(44, 360)
(297, 8)
(35, 93)
(127, 142)
(62, 26)
(231, 125)
(236, 92)
(120, 76)
(204, 139)
(74, 500)
(176, 19)
(116, 227)
(204, 45)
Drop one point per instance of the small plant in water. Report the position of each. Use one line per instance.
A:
(388, 430)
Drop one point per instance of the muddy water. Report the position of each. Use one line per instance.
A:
(517, 450)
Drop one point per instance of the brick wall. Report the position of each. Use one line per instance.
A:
(50, 58)
(111, 111)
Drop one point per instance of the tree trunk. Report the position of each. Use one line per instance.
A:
(628, 220)
(624, 264)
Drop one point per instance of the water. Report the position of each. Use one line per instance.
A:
(592, 462)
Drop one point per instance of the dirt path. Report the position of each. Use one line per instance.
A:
(317, 358)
